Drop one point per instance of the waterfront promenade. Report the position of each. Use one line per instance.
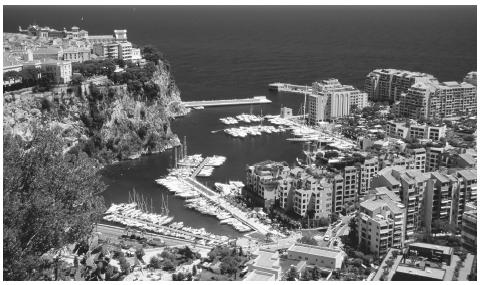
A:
(227, 102)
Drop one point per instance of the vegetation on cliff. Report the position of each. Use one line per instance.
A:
(106, 114)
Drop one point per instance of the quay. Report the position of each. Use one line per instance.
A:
(290, 88)
(227, 102)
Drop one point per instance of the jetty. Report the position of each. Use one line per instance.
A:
(236, 213)
(200, 167)
(290, 88)
(227, 102)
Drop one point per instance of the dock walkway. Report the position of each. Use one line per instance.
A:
(227, 102)
(290, 88)
(199, 167)
(236, 213)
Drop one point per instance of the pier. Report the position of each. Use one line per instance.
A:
(236, 213)
(200, 166)
(290, 88)
(227, 102)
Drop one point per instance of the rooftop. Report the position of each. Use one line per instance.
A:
(467, 158)
(315, 250)
(444, 249)
(428, 272)
(258, 275)
(468, 174)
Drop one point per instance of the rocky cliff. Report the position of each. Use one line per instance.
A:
(105, 120)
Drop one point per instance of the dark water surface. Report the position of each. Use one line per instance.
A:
(234, 52)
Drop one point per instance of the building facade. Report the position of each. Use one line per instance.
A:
(388, 84)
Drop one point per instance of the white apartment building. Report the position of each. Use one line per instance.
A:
(381, 221)
(125, 50)
(388, 84)
(426, 100)
(332, 100)
(108, 50)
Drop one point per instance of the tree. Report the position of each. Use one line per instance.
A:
(77, 79)
(292, 274)
(152, 54)
(140, 253)
(124, 264)
(353, 237)
(308, 240)
(50, 200)
(194, 270)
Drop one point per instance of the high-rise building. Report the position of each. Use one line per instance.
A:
(388, 84)
(410, 185)
(426, 100)
(468, 229)
(332, 100)
(125, 50)
(437, 203)
(381, 221)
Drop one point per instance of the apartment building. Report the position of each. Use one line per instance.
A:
(338, 196)
(465, 192)
(437, 203)
(434, 158)
(410, 185)
(291, 189)
(468, 229)
(316, 108)
(351, 186)
(108, 50)
(419, 157)
(125, 50)
(389, 84)
(315, 197)
(367, 170)
(413, 130)
(426, 100)
(74, 54)
(381, 221)
(332, 100)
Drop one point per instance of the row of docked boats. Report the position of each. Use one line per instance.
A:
(129, 215)
(207, 207)
(242, 132)
(183, 189)
(242, 118)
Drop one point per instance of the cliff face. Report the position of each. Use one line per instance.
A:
(104, 120)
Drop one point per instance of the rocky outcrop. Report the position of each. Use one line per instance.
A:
(100, 118)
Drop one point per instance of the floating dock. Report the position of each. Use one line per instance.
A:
(227, 102)
(290, 88)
